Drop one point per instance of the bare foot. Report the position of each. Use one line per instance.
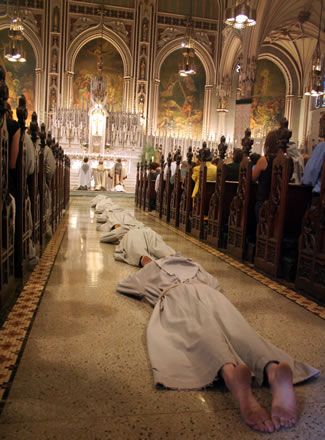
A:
(238, 380)
(284, 405)
(145, 260)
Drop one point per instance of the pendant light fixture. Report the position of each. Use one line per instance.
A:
(316, 85)
(188, 44)
(14, 52)
(241, 16)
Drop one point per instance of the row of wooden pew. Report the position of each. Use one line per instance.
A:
(36, 199)
(288, 243)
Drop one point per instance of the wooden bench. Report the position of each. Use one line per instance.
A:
(311, 263)
(175, 199)
(241, 207)
(219, 208)
(201, 204)
(280, 222)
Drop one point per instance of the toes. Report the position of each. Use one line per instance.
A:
(276, 422)
(269, 425)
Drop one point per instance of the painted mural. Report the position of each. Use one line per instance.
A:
(268, 99)
(86, 68)
(20, 77)
(181, 99)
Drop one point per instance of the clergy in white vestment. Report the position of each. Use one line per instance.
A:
(85, 175)
(100, 175)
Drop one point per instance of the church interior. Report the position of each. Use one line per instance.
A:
(162, 241)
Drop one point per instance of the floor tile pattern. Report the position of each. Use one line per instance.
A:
(15, 329)
(308, 304)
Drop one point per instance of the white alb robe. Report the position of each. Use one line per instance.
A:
(194, 329)
(137, 243)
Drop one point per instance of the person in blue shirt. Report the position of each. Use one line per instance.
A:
(313, 169)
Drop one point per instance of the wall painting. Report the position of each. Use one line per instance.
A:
(86, 67)
(268, 99)
(181, 100)
(20, 77)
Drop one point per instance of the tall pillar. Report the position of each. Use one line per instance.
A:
(289, 108)
(207, 110)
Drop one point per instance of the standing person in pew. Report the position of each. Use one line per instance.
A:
(233, 167)
(196, 336)
(313, 170)
(205, 156)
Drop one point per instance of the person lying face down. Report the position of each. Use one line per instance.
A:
(195, 336)
(141, 242)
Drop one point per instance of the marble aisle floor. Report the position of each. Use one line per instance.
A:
(85, 373)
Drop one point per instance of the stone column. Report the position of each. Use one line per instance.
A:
(127, 94)
(289, 108)
(207, 110)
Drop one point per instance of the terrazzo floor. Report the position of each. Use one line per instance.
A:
(85, 374)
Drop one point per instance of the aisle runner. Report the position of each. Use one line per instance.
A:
(308, 304)
(16, 328)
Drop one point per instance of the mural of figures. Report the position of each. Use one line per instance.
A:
(86, 68)
(268, 99)
(20, 77)
(181, 99)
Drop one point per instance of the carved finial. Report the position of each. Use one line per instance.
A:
(247, 142)
(33, 126)
(22, 112)
(189, 155)
(4, 91)
(42, 136)
(222, 148)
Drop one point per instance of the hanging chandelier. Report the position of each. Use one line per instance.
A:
(14, 51)
(241, 16)
(188, 44)
(317, 76)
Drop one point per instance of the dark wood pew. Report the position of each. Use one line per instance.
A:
(280, 222)
(161, 188)
(167, 192)
(144, 185)
(33, 183)
(175, 198)
(150, 204)
(140, 185)
(200, 207)
(185, 206)
(241, 210)
(66, 181)
(137, 186)
(311, 263)
(219, 208)
(22, 223)
(42, 188)
(7, 211)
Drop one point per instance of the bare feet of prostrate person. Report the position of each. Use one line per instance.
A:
(284, 404)
(145, 260)
(238, 381)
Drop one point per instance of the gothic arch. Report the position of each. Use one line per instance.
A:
(109, 36)
(288, 68)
